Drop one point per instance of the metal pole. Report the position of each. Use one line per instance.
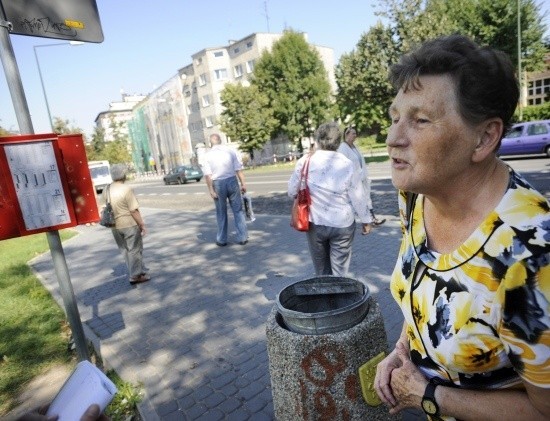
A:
(519, 65)
(25, 126)
(43, 88)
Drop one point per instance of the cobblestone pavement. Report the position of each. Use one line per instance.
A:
(194, 335)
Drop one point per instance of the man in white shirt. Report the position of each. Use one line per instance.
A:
(336, 198)
(223, 171)
(347, 147)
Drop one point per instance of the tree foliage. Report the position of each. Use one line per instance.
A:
(247, 117)
(362, 73)
(115, 151)
(61, 126)
(364, 91)
(294, 79)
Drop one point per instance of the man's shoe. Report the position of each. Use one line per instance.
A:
(139, 279)
(379, 221)
(242, 243)
(221, 244)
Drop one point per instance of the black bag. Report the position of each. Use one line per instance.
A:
(107, 214)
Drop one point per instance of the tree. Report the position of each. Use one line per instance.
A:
(115, 151)
(488, 22)
(61, 126)
(4, 132)
(94, 149)
(363, 72)
(364, 93)
(247, 116)
(293, 78)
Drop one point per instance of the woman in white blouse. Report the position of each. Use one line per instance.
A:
(347, 147)
(336, 198)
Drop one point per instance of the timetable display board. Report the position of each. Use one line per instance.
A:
(38, 187)
(45, 184)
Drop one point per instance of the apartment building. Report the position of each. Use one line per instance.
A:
(171, 125)
(118, 114)
(538, 85)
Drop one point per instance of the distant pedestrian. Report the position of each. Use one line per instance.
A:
(336, 198)
(223, 171)
(129, 228)
(348, 148)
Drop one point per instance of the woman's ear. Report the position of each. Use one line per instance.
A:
(490, 133)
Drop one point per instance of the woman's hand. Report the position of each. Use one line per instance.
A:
(382, 381)
(407, 382)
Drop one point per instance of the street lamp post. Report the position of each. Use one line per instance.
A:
(40, 72)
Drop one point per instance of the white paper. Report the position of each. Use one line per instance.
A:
(86, 385)
(38, 184)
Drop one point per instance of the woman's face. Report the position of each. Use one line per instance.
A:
(429, 144)
(351, 135)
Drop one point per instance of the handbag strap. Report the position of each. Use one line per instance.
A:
(305, 170)
(108, 197)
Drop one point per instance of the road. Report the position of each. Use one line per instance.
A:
(267, 188)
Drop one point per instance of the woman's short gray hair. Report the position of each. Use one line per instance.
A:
(118, 172)
(327, 136)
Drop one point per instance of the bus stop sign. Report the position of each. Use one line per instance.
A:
(75, 20)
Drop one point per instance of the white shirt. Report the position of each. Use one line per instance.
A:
(355, 156)
(221, 162)
(335, 188)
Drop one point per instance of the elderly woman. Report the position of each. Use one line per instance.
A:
(129, 228)
(336, 196)
(473, 273)
(348, 148)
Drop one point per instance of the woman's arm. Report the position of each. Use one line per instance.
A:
(294, 181)
(408, 385)
(382, 381)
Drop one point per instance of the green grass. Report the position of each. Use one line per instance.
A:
(33, 331)
(34, 334)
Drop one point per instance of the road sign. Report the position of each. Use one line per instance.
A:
(75, 20)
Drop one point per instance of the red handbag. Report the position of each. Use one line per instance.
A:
(299, 219)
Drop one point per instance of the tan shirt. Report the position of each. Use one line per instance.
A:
(123, 202)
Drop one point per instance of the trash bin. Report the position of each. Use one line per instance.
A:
(323, 305)
(319, 333)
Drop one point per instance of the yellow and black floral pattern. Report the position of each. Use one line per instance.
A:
(479, 317)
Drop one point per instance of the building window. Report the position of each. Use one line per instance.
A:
(236, 50)
(250, 66)
(218, 54)
(249, 44)
(198, 61)
(187, 93)
(202, 79)
(238, 70)
(206, 100)
(220, 74)
(209, 121)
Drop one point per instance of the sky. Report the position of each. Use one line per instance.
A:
(146, 42)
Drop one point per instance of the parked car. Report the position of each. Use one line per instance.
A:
(532, 137)
(182, 174)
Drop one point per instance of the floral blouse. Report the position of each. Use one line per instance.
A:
(479, 317)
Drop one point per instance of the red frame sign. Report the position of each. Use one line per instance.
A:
(45, 184)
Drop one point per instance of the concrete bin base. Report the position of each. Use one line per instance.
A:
(315, 377)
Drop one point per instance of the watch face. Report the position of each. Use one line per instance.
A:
(429, 406)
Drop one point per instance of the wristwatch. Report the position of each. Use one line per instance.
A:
(429, 404)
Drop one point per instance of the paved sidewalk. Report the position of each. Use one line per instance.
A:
(195, 334)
